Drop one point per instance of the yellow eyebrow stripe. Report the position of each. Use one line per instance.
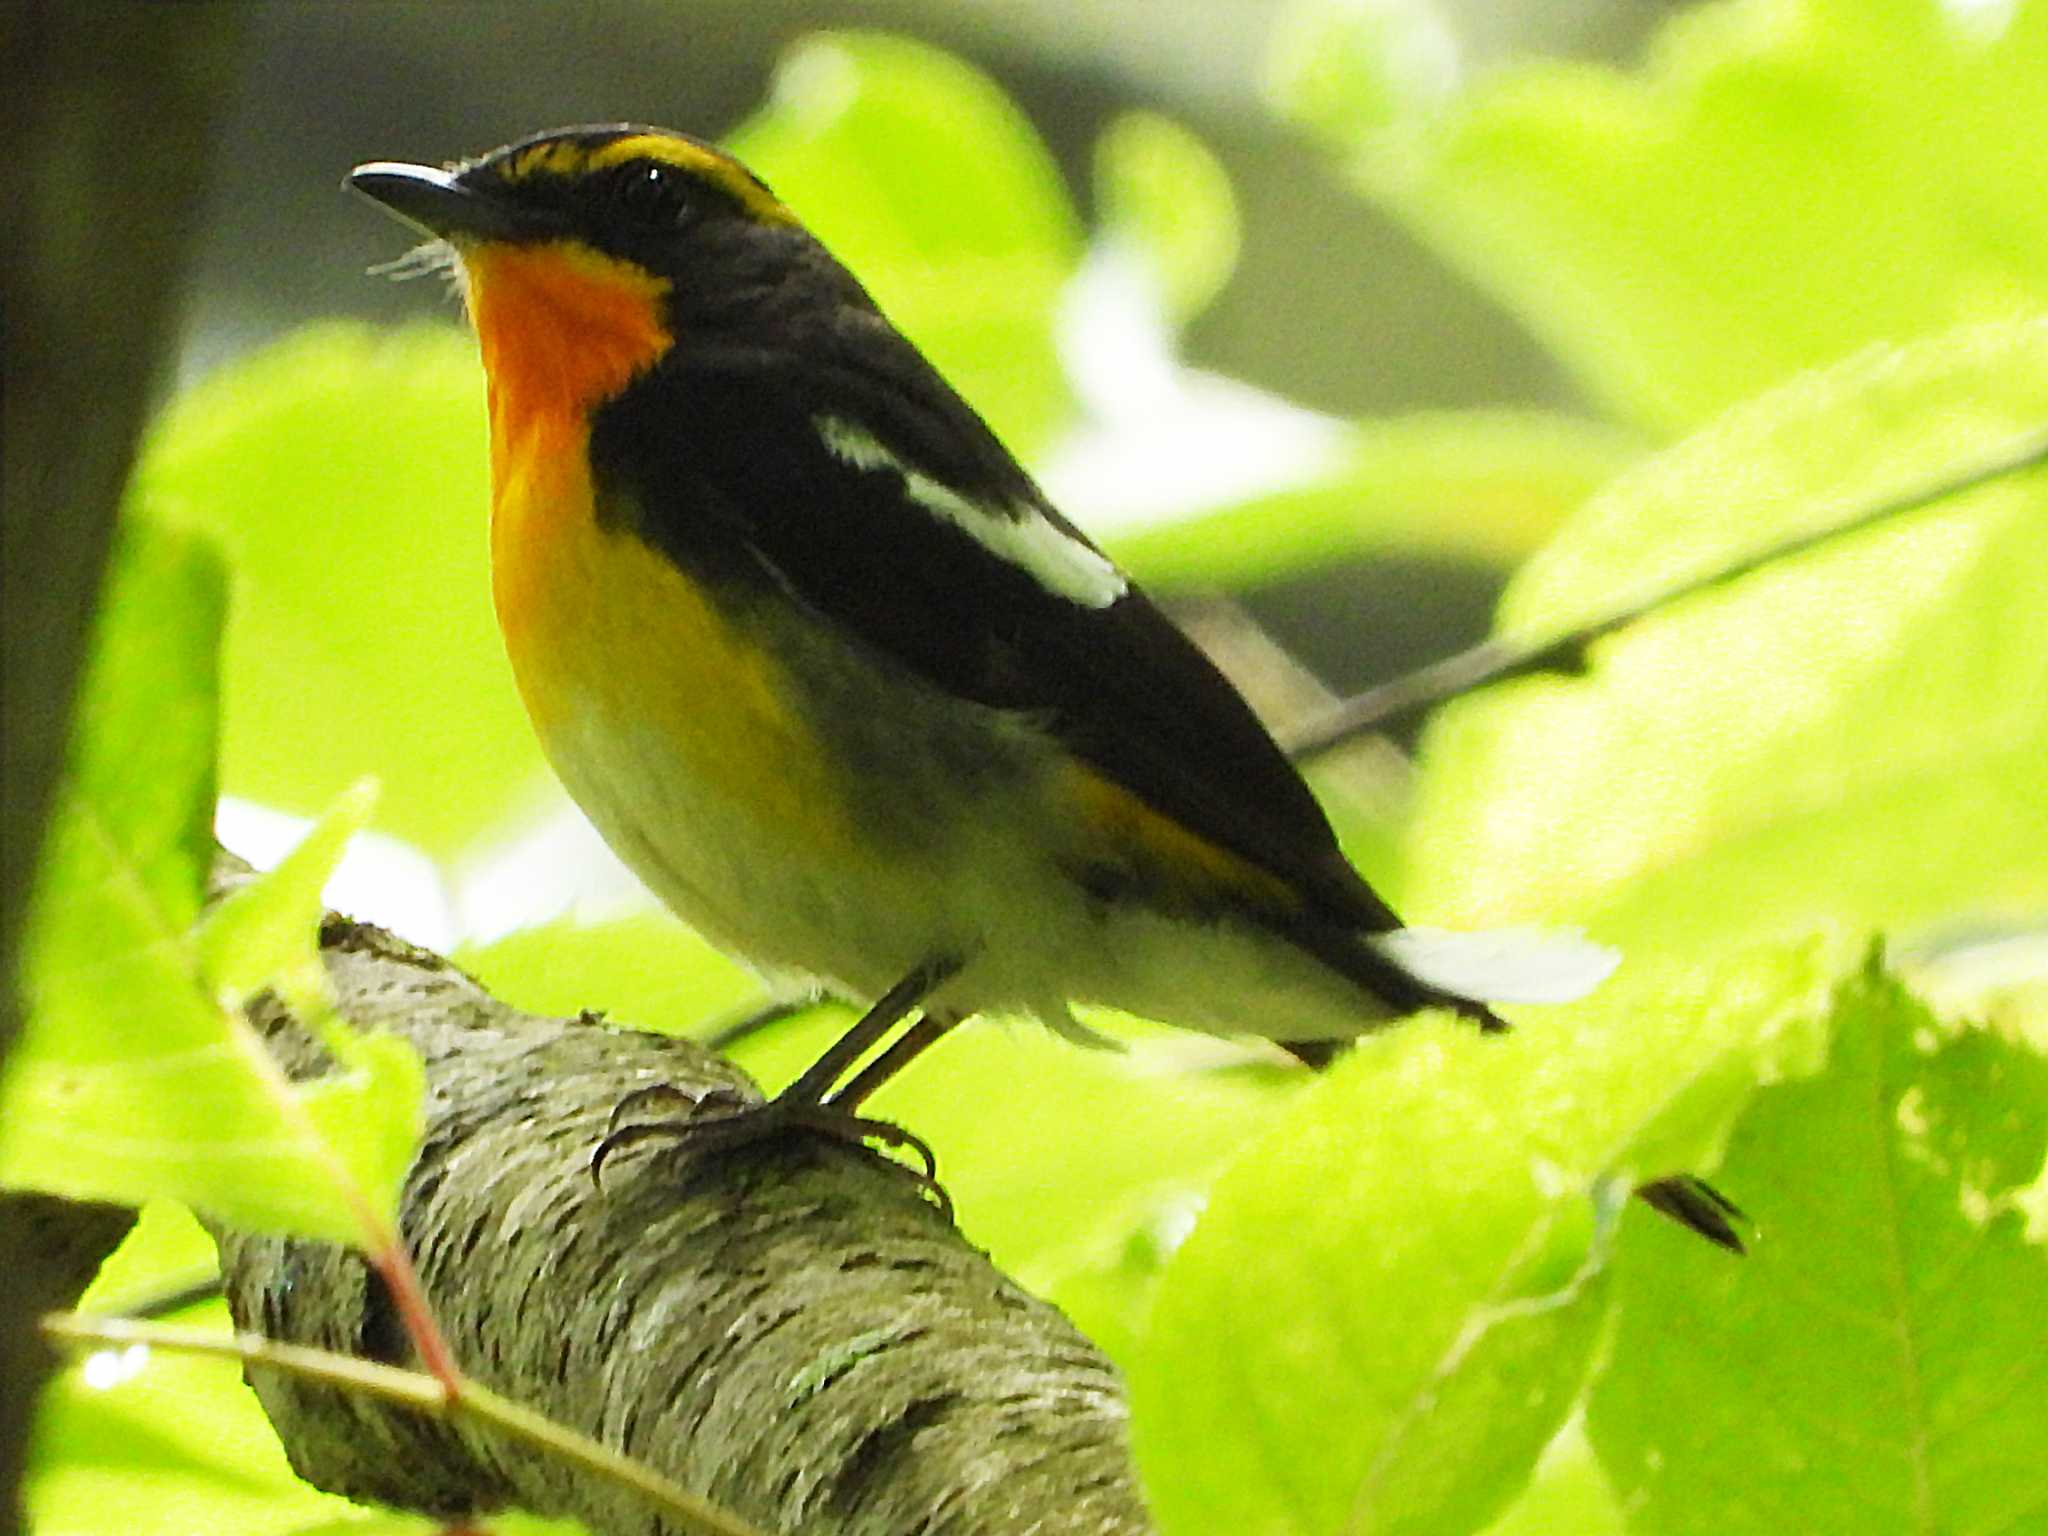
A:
(721, 171)
(566, 157)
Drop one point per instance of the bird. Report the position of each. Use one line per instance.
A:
(828, 671)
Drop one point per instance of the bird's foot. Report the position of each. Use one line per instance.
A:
(721, 1121)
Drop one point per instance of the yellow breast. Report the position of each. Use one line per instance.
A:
(613, 646)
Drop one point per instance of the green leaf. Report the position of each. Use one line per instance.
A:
(136, 799)
(1852, 736)
(131, 1080)
(1785, 182)
(920, 175)
(173, 1445)
(1875, 1365)
(165, 1250)
(1051, 1150)
(1106, 1287)
(366, 1116)
(343, 471)
(1352, 71)
(1567, 1494)
(263, 933)
(644, 969)
(1386, 1312)
(1484, 485)
(1161, 194)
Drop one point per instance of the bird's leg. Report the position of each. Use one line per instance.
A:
(890, 1009)
(808, 1103)
(909, 1045)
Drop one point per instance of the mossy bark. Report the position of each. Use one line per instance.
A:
(792, 1329)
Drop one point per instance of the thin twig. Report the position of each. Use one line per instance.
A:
(409, 1389)
(1495, 660)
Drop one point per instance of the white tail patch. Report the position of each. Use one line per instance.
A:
(1022, 536)
(1501, 965)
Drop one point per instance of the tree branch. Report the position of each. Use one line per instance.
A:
(790, 1330)
(1496, 660)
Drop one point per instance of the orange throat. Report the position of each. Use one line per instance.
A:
(562, 329)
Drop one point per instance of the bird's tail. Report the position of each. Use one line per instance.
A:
(1500, 965)
(1409, 969)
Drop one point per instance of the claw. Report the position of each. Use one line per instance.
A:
(647, 1093)
(723, 1130)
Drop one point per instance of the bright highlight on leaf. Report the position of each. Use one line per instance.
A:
(134, 1079)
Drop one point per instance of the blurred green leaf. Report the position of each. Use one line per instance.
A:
(171, 1446)
(343, 472)
(1107, 1284)
(260, 935)
(1485, 484)
(1386, 1311)
(1785, 182)
(1875, 1364)
(141, 1441)
(644, 969)
(1352, 71)
(1161, 194)
(165, 1249)
(923, 178)
(1852, 736)
(131, 1079)
(1051, 1150)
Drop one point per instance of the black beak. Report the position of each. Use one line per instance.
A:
(443, 204)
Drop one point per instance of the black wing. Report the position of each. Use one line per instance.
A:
(730, 473)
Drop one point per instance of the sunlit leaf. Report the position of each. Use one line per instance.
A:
(1875, 1365)
(343, 472)
(1784, 182)
(1851, 736)
(1355, 71)
(1481, 485)
(1385, 1312)
(919, 174)
(170, 1445)
(1163, 195)
(257, 936)
(134, 1078)
(642, 968)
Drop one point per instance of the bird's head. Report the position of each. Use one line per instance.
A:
(589, 255)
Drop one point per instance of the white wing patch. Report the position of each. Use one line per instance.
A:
(1023, 537)
(1501, 965)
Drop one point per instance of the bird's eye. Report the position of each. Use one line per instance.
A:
(652, 194)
